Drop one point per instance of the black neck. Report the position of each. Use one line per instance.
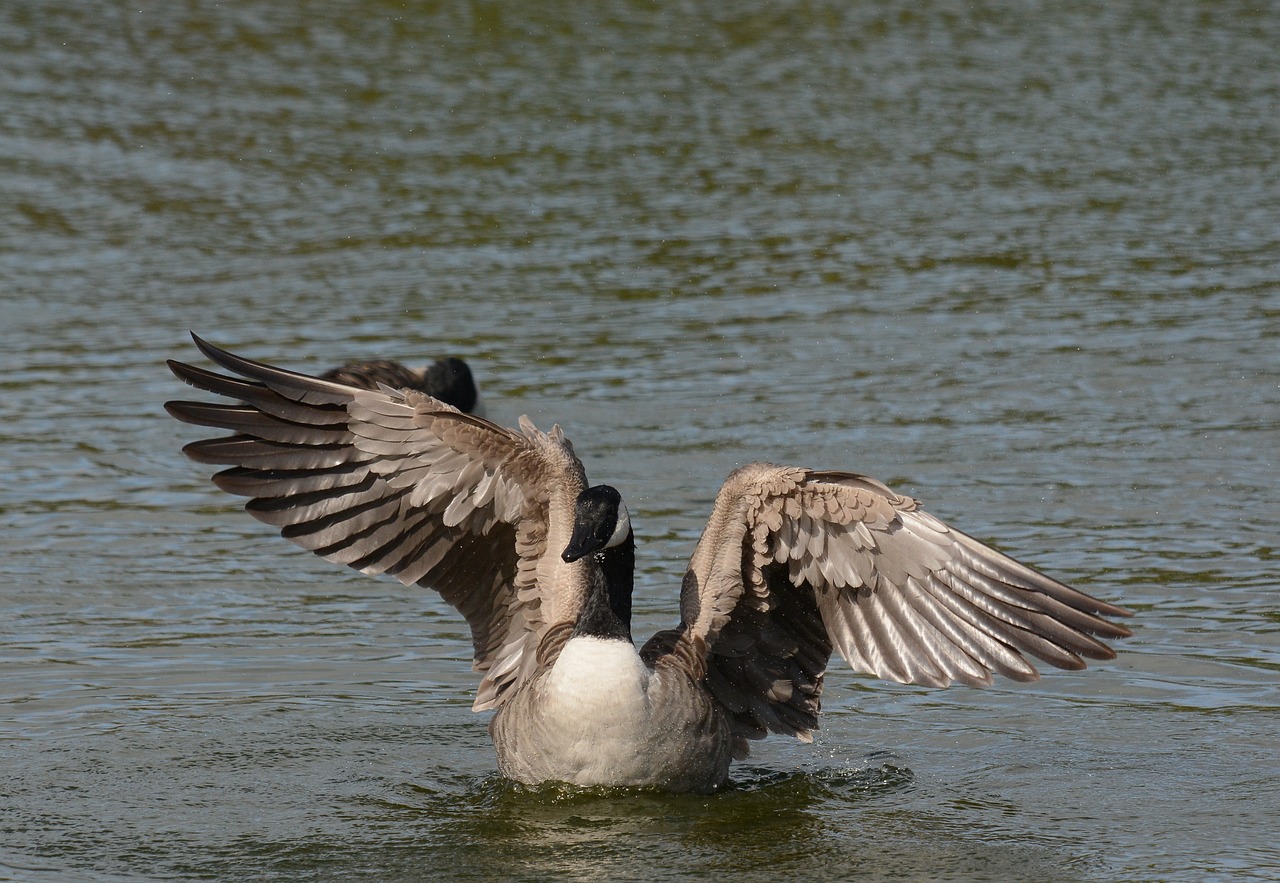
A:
(619, 566)
(607, 613)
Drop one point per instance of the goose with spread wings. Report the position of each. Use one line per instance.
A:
(793, 564)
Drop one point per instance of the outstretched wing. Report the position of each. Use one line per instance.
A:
(398, 482)
(795, 563)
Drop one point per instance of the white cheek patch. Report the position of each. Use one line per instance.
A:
(624, 527)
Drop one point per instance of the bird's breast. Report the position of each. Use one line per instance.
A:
(598, 689)
(600, 716)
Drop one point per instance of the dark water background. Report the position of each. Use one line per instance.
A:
(1020, 260)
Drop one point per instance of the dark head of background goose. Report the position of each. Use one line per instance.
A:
(448, 379)
(793, 564)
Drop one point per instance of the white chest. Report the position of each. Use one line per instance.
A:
(591, 720)
(600, 716)
(600, 683)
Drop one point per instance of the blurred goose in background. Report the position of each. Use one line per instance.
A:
(449, 380)
(793, 564)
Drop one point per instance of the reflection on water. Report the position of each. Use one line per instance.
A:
(833, 822)
(1019, 262)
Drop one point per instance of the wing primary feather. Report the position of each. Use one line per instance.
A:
(1002, 658)
(1074, 603)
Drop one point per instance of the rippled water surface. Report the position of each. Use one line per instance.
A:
(1020, 260)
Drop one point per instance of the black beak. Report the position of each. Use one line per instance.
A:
(583, 543)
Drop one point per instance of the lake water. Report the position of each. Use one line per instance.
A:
(1021, 261)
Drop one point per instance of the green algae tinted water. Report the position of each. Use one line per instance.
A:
(1020, 262)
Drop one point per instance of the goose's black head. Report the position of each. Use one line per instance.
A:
(600, 522)
(602, 530)
(450, 381)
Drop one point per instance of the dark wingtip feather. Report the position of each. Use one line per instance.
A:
(1102, 608)
(232, 362)
(177, 410)
(1115, 630)
(293, 385)
(204, 346)
(182, 370)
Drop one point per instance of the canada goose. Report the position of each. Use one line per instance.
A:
(448, 379)
(793, 563)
